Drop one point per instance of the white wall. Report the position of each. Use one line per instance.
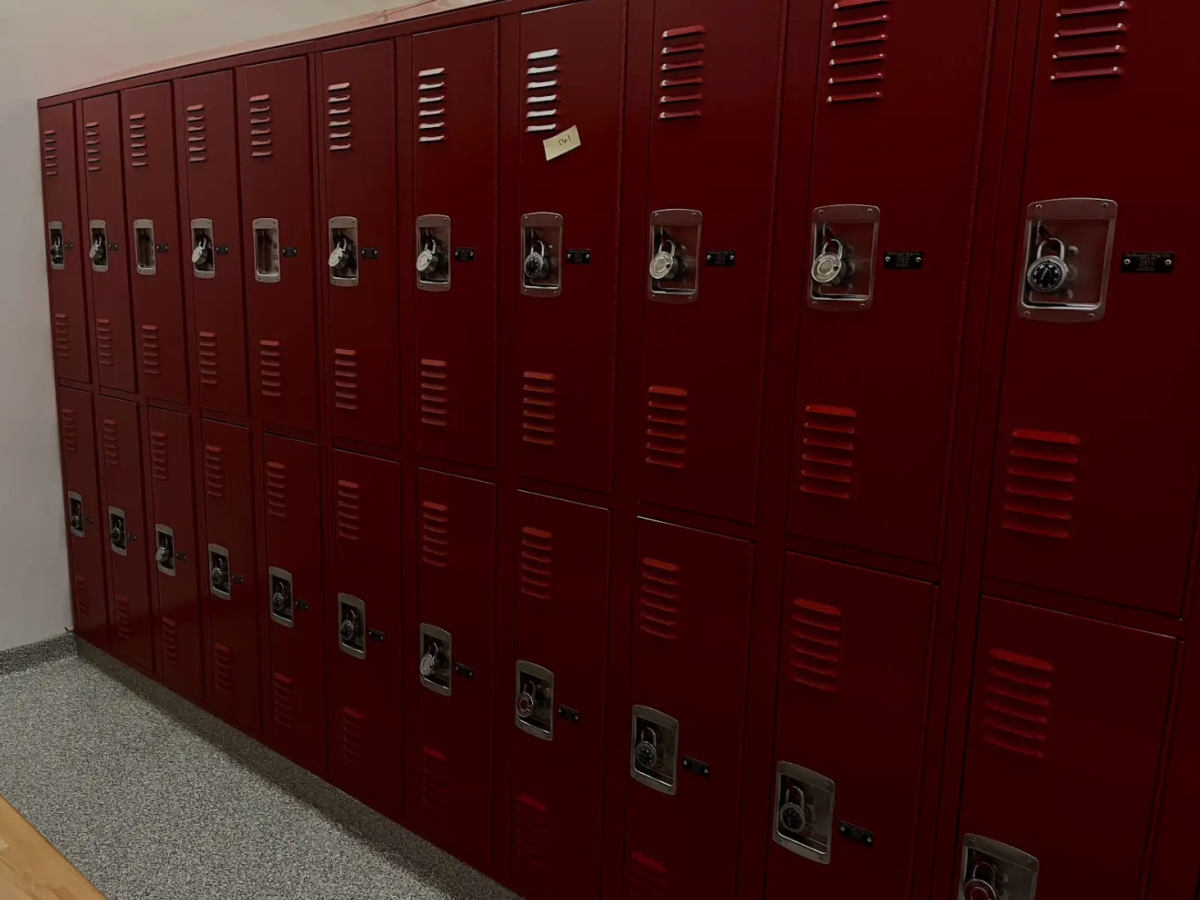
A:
(46, 48)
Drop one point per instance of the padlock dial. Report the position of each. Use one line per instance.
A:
(349, 627)
(792, 817)
(647, 755)
(1048, 275)
(429, 260)
(536, 266)
(975, 889)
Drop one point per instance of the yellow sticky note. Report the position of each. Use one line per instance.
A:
(563, 142)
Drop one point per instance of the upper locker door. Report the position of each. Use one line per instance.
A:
(1067, 722)
(86, 522)
(452, 800)
(690, 647)
(178, 558)
(207, 130)
(712, 153)
(566, 277)
(108, 250)
(358, 109)
(65, 245)
(231, 565)
(277, 235)
(152, 230)
(1105, 363)
(454, 187)
(879, 252)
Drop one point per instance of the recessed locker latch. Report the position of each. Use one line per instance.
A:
(804, 811)
(78, 520)
(1068, 251)
(266, 250)
(58, 247)
(343, 251)
(144, 248)
(98, 253)
(437, 659)
(352, 626)
(541, 251)
(118, 537)
(283, 605)
(218, 567)
(845, 238)
(203, 262)
(654, 750)
(433, 253)
(535, 700)
(164, 551)
(995, 871)
(674, 255)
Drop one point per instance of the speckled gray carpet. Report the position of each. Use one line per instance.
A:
(146, 808)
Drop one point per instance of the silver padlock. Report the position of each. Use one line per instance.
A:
(830, 268)
(349, 627)
(1049, 274)
(429, 260)
(279, 601)
(981, 885)
(793, 812)
(97, 248)
(341, 249)
(429, 662)
(161, 555)
(537, 263)
(527, 701)
(201, 252)
(665, 264)
(646, 753)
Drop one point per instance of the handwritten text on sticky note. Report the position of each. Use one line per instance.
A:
(563, 142)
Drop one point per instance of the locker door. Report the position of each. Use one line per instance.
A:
(85, 519)
(1067, 722)
(66, 249)
(178, 557)
(365, 750)
(691, 631)
(561, 647)
(879, 344)
(847, 632)
(456, 612)
(125, 525)
(565, 316)
(152, 230)
(214, 243)
(277, 228)
(292, 590)
(231, 566)
(359, 135)
(108, 267)
(716, 74)
(454, 180)
(1089, 389)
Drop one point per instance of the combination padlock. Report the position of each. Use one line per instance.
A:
(981, 885)
(429, 662)
(279, 600)
(429, 260)
(162, 554)
(96, 254)
(117, 533)
(77, 521)
(220, 576)
(202, 252)
(1049, 274)
(646, 753)
(665, 264)
(342, 251)
(57, 254)
(527, 700)
(793, 812)
(830, 268)
(537, 263)
(349, 627)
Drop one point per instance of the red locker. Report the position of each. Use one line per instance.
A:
(561, 656)
(879, 337)
(85, 518)
(1090, 378)
(109, 256)
(456, 627)
(1067, 724)
(208, 132)
(277, 235)
(292, 590)
(454, 87)
(178, 558)
(65, 245)
(690, 643)
(365, 750)
(715, 84)
(359, 144)
(846, 633)
(125, 524)
(565, 315)
(231, 563)
(156, 252)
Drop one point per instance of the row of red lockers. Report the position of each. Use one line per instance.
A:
(435, 191)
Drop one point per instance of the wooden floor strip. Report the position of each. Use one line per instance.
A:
(30, 867)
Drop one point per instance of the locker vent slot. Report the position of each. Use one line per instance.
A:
(541, 91)
(537, 563)
(666, 428)
(856, 57)
(354, 736)
(283, 705)
(827, 457)
(151, 360)
(681, 73)
(435, 534)
(222, 668)
(270, 365)
(260, 126)
(814, 631)
(339, 122)
(83, 599)
(276, 489)
(124, 619)
(1017, 703)
(431, 106)
(345, 379)
(160, 465)
(170, 641)
(435, 778)
(648, 879)
(91, 146)
(208, 358)
(435, 393)
(535, 829)
(348, 510)
(1040, 488)
(104, 342)
(50, 151)
(196, 131)
(139, 152)
(70, 433)
(62, 336)
(1090, 39)
(214, 471)
(658, 599)
(112, 443)
(537, 408)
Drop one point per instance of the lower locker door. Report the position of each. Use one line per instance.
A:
(690, 644)
(1067, 723)
(178, 561)
(451, 801)
(85, 522)
(557, 713)
(853, 666)
(363, 616)
(291, 589)
(231, 566)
